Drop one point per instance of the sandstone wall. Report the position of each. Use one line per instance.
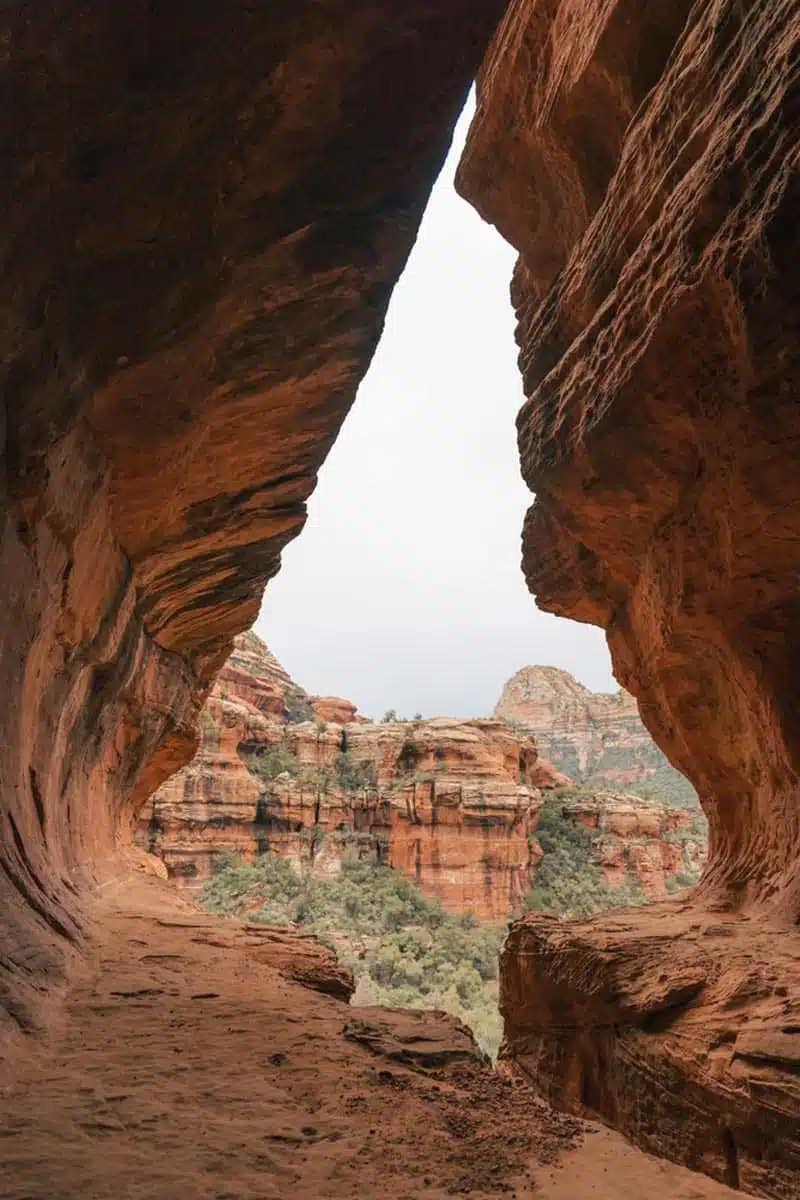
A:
(592, 736)
(654, 844)
(643, 160)
(451, 803)
(205, 209)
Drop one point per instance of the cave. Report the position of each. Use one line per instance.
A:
(207, 207)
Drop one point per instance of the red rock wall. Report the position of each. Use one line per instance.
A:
(631, 837)
(205, 209)
(643, 159)
(453, 804)
(595, 737)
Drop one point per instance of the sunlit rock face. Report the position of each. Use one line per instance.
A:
(205, 209)
(643, 160)
(593, 736)
(451, 803)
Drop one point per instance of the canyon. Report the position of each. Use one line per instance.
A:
(206, 208)
(450, 803)
(453, 804)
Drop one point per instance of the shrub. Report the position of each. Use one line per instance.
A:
(269, 764)
(680, 880)
(353, 776)
(298, 707)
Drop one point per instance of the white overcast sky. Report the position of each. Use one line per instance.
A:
(404, 590)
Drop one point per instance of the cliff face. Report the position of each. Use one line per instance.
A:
(592, 736)
(451, 803)
(656, 845)
(643, 160)
(205, 210)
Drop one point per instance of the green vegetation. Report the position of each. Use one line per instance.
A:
(680, 880)
(567, 883)
(404, 949)
(345, 773)
(298, 707)
(353, 776)
(663, 783)
(277, 760)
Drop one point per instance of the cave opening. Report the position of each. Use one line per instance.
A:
(404, 593)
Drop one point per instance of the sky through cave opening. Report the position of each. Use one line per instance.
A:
(404, 590)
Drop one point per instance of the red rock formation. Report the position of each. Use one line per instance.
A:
(643, 161)
(188, 1066)
(596, 737)
(451, 803)
(205, 210)
(253, 674)
(653, 843)
(333, 708)
(544, 775)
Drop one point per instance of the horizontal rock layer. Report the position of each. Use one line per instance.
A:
(205, 210)
(595, 737)
(679, 1024)
(454, 804)
(643, 160)
(654, 844)
(451, 803)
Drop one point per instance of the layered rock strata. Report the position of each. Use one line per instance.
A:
(656, 845)
(595, 737)
(205, 210)
(451, 803)
(643, 160)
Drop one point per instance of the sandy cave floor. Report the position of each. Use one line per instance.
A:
(183, 1068)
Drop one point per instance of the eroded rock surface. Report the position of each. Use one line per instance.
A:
(595, 737)
(678, 1024)
(655, 844)
(454, 804)
(451, 803)
(643, 160)
(205, 210)
(188, 1067)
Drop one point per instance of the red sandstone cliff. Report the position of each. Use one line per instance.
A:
(643, 161)
(206, 208)
(656, 845)
(594, 737)
(451, 803)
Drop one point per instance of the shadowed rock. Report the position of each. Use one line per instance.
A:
(643, 160)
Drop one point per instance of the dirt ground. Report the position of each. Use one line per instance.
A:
(181, 1067)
